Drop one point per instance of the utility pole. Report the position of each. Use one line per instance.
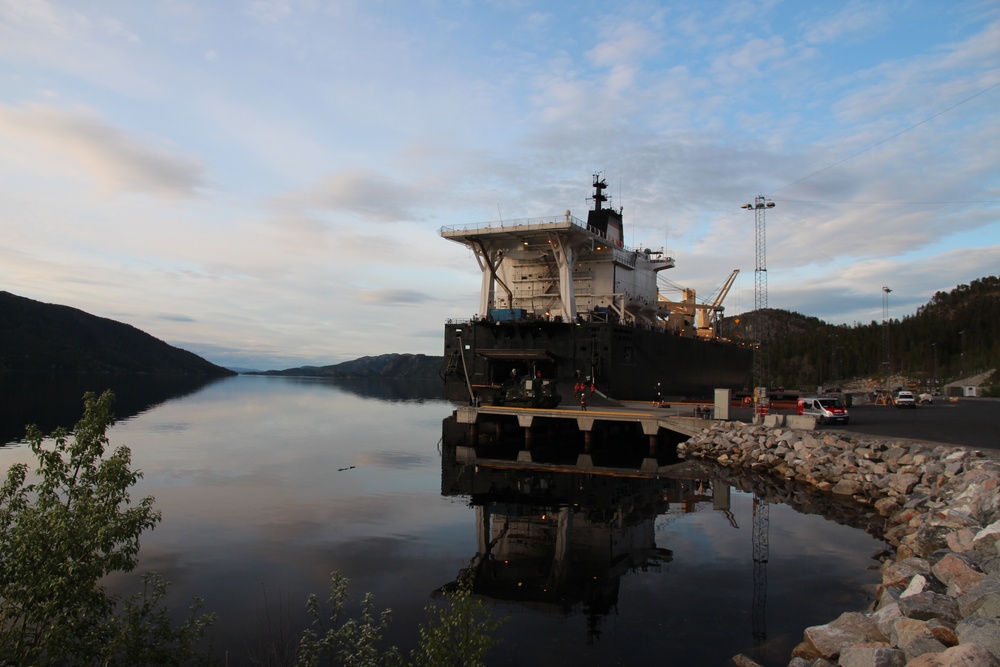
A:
(760, 338)
(885, 335)
(961, 375)
(934, 381)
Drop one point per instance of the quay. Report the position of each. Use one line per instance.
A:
(655, 424)
(662, 426)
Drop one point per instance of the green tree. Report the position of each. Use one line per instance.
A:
(60, 535)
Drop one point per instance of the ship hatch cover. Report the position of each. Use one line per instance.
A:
(516, 355)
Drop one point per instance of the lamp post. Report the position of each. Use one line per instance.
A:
(935, 379)
(885, 334)
(833, 357)
(961, 359)
(760, 380)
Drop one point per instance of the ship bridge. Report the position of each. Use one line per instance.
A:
(561, 267)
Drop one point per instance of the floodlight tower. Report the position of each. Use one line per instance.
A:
(885, 335)
(760, 379)
(761, 514)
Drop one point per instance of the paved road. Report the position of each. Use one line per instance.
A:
(971, 422)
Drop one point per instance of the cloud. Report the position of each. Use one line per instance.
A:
(173, 317)
(269, 11)
(86, 41)
(370, 195)
(116, 160)
(394, 296)
(843, 24)
(748, 62)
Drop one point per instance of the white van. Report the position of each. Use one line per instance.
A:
(826, 409)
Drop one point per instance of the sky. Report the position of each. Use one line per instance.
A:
(263, 182)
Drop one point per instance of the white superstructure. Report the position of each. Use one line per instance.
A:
(564, 268)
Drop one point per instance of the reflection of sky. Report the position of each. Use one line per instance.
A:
(257, 512)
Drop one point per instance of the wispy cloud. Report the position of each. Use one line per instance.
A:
(116, 160)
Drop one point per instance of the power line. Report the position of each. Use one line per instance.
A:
(875, 145)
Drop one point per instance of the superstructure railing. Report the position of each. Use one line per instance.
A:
(500, 225)
(540, 224)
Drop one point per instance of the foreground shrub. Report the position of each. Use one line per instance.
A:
(60, 535)
(457, 632)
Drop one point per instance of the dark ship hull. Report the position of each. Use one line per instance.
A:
(625, 363)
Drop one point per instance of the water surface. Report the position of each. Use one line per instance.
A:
(269, 484)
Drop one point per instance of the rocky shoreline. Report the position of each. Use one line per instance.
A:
(937, 506)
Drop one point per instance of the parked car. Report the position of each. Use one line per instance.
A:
(905, 399)
(826, 409)
(925, 398)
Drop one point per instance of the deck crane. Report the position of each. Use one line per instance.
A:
(708, 314)
(697, 319)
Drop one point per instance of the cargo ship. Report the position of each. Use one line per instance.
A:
(566, 301)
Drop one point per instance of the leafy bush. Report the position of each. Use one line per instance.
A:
(457, 633)
(60, 536)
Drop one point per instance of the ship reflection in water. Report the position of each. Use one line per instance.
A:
(554, 539)
(647, 563)
(559, 541)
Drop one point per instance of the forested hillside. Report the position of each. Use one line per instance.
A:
(36, 336)
(955, 335)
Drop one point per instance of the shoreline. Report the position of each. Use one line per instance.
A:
(938, 507)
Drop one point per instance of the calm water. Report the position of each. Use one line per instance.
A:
(269, 484)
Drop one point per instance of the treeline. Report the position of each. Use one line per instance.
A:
(955, 335)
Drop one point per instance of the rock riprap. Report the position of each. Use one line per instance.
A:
(939, 601)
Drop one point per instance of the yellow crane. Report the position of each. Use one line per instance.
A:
(697, 319)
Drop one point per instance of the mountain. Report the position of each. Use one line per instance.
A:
(36, 336)
(399, 366)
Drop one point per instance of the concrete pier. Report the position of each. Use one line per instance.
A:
(651, 422)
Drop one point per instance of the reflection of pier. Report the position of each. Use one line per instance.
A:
(559, 542)
(558, 538)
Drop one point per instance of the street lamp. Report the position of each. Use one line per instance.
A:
(885, 334)
(832, 338)
(934, 383)
(961, 359)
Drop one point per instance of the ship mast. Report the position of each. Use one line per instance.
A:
(600, 185)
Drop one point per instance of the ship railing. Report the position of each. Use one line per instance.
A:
(560, 220)
(542, 222)
(625, 257)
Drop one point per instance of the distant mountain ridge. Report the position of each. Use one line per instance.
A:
(398, 366)
(36, 336)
